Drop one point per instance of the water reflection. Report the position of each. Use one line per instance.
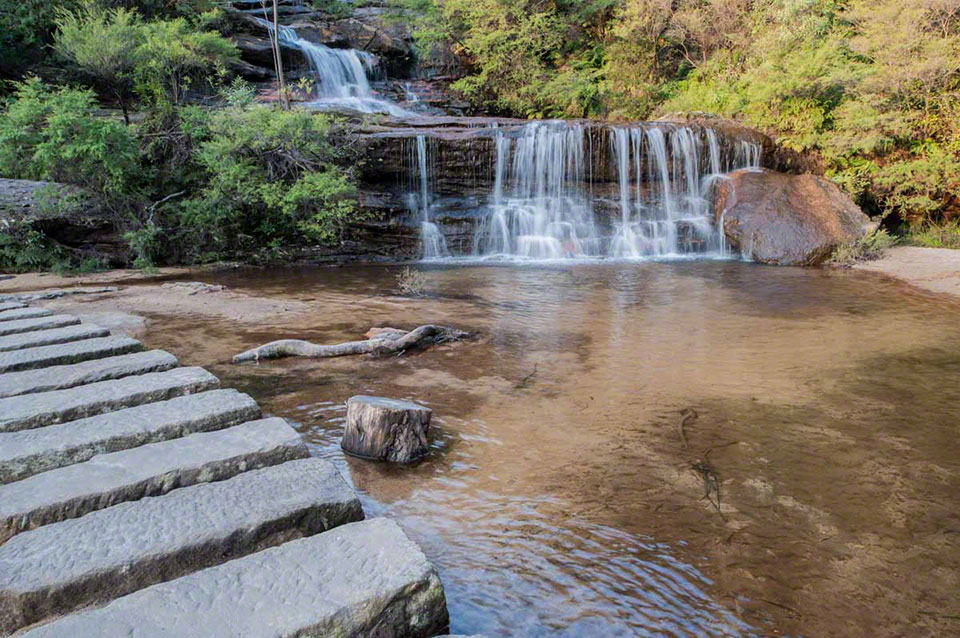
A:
(559, 500)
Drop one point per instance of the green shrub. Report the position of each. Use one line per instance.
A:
(866, 248)
(265, 178)
(945, 234)
(55, 134)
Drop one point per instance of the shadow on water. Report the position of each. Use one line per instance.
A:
(559, 500)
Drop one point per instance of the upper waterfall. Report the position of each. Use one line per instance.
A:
(341, 74)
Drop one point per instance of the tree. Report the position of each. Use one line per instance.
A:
(103, 44)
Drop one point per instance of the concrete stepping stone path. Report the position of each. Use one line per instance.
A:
(30, 325)
(125, 478)
(96, 558)
(45, 408)
(51, 337)
(30, 452)
(361, 579)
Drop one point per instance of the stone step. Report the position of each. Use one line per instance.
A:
(66, 353)
(24, 313)
(68, 376)
(93, 559)
(50, 337)
(11, 305)
(360, 579)
(30, 452)
(31, 325)
(148, 470)
(46, 408)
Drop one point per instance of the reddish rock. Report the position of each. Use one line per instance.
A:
(788, 220)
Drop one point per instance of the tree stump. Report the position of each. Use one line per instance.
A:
(386, 429)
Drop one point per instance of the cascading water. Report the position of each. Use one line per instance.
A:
(341, 74)
(543, 206)
(545, 214)
(432, 239)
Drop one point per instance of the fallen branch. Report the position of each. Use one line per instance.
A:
(383, 343)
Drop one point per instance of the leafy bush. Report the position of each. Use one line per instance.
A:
(866, 248)
(265, 178)
(55, 134)
(944, 234)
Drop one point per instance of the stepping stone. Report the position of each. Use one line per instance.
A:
(24, 313)
(30, 452)
(57, 406)
(69, 376)
(148, 470)
(360, 579)
(11, 305)
(64, 353)
(51, 337)
(42, 323)
(386, 429)
(93, 559)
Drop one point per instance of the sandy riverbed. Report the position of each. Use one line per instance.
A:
(932, 269)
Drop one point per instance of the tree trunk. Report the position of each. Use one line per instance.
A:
(392, 342)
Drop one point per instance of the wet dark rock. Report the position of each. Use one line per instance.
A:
(789, 220)
(386, 429)
(63, 214)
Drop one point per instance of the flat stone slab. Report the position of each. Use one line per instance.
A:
(360, 579)
(42, 323)
(46, 408)
(69, 376)
(24, 313)
(148, 470)
(51, 337)
(30, 452)
(93, 559)
(11, 305)
(66, 353)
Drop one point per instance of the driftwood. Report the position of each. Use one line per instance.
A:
(384, 342)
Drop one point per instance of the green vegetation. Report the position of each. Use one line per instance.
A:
(864, 249)
(869, 87)
(935, 234)
(182, 183)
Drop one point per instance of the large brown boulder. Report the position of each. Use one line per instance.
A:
(789, 220)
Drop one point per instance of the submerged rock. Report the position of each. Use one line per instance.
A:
(788, 220)
(386, 429)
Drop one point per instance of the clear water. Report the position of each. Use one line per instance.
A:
(559, 500)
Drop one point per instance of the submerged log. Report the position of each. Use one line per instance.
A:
(386, 342)
(386, 429)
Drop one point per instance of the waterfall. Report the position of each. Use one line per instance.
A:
(341, 75)
(544, 214)
(543, 207)
(431, 237)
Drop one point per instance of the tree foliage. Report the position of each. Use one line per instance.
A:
(871, 86)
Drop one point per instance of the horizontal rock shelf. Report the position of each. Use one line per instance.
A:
(148, 470)
(11, 305)
(30, 452)
(46, 408)
(96, 558)
(32, 358)
(360, 579)
(51, 337)
(23, 313)
(69, 376)
(30, 325)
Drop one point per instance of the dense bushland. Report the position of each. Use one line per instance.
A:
(182, 182)
(867, 87)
